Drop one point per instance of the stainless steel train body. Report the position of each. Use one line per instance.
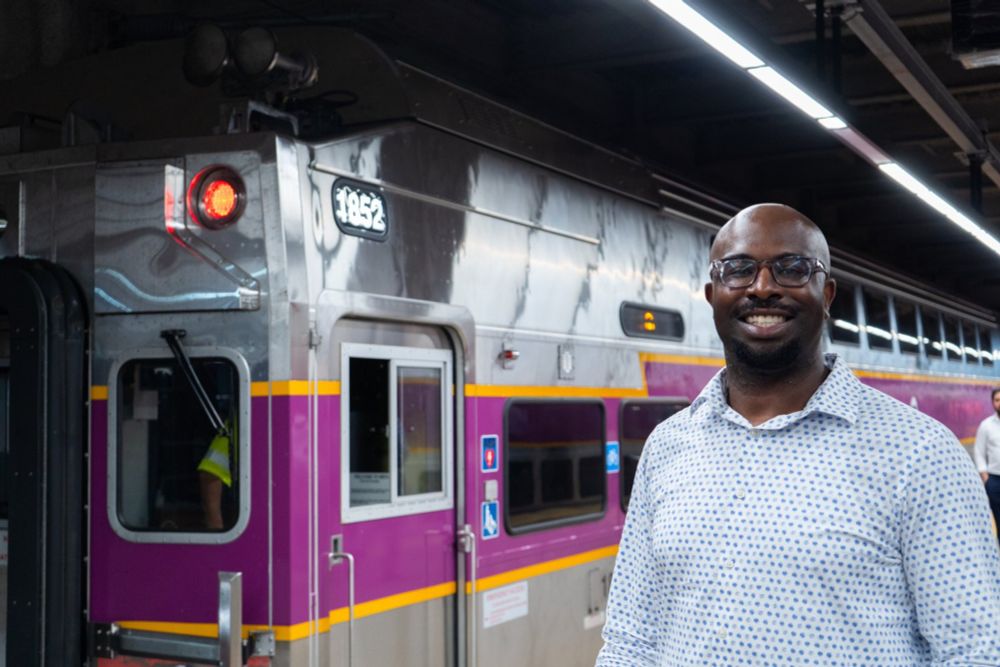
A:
(428, 407)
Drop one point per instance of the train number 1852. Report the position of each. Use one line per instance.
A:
(360, 210)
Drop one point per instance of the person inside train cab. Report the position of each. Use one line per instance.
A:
(986, 453)
(792, 515)
(213, 474)
(215, 471)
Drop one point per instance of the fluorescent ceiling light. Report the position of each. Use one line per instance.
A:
(779, 84)
(861, 145)
(737, 53)
(975, 59)
(708, 32)
(908, 181)
(833, 123)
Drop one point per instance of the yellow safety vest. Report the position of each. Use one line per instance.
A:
(216, 459)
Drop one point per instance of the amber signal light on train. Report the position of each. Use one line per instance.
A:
(216, 197)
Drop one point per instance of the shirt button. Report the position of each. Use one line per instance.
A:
(721, 633)
(730, 564)
(754, 433)
(740, 493)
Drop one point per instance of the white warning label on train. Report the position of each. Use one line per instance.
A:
(505, 604)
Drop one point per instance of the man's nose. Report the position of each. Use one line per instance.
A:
(763, 283)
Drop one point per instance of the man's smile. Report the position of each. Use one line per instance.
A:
(765, 320)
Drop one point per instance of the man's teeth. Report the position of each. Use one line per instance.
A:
(765, 320)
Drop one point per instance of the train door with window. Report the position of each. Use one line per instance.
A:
(397, 491)
(42, 464)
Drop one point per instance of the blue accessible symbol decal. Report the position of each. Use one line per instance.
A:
(490, 459)
(611, 457)
(491, 520)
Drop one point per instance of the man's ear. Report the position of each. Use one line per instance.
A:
(708, 292)
(829, 292)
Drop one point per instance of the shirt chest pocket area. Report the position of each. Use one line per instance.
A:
(689, 527)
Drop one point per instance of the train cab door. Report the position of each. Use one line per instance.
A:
(398, 492)
(42, 443)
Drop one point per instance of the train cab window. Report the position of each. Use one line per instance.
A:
(970, 346)
(175, 471)
(636, 420)
(554, 463)
(906, 327)
(952, 343)
(877, 323)
(931, 338)
(397, 428)
(844, 316)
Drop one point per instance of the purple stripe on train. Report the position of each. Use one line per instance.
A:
(177, 583)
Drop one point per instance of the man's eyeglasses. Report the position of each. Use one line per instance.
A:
(790, 271)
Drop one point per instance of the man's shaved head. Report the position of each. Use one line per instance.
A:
(771, 220)
(765, 327)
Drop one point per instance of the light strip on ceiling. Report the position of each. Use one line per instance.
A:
(931, 198)
(709, 32)
(779, 84)
(722, 42)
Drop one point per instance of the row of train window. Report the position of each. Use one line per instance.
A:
(894, 324)
(177, 473)
(555, 457)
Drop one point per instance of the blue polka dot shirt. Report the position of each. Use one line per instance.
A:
(853, 532)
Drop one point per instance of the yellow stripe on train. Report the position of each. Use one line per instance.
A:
(332, 387)
(381, 605)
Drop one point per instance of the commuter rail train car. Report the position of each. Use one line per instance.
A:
(368, 398)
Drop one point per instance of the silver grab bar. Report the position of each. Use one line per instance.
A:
(231, 619)
(337, 555)
(467, 540)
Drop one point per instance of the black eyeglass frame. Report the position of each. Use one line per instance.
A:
(815, 266)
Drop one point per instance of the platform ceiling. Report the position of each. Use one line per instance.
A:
(620, 74)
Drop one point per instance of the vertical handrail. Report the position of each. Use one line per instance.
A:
(335, 558)
(467, 542)
(231, 619)
(473, 620)
(313, 493)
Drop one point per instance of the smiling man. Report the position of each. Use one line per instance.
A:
(792, 515)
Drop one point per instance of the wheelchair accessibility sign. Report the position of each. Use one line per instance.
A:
(612, 457)
(491, 520)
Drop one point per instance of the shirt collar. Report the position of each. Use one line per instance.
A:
(839, 395)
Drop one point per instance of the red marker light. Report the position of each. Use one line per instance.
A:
(219, 199)
(489, 458)
(216, 197)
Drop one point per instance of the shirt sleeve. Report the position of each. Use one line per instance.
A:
(950, 556)
(979, 449)
(630, 628)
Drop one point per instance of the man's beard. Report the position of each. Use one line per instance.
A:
(766, 361)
